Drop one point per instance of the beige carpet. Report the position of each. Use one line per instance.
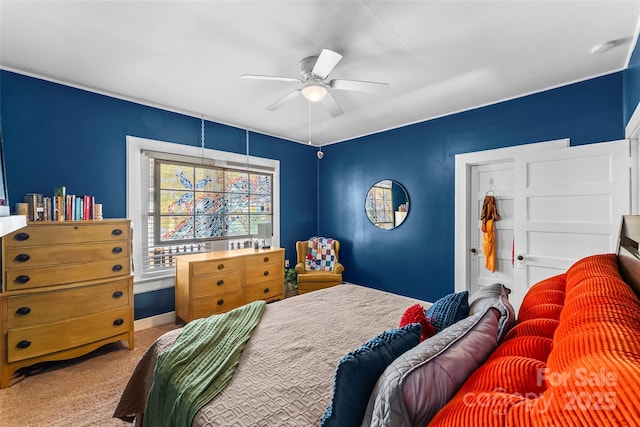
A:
(78, 392)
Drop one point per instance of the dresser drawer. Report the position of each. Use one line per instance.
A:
(68, 232)
(261, 260)
(30, 256)
(24, 343)
(260, 273)
(29, 278)
(267, 290)
(215, 283)
(54, 306)
(216, 266)
(213, 304)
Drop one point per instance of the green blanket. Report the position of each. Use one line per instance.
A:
(199, 365)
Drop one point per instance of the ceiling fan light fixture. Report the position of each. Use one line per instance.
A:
(314, 91)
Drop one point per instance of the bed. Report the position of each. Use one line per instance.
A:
(286, 372)
(285, 376)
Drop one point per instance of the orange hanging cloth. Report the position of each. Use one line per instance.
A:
(488, 216)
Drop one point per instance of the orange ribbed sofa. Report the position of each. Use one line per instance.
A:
(572, 359)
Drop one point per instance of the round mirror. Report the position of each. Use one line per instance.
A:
(387, 204)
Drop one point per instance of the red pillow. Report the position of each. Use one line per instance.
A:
(415, 314)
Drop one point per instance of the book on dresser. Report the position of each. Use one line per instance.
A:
(67, 289)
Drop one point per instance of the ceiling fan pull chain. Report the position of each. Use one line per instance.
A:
(202, 138)
(246, 142)
(309, 111)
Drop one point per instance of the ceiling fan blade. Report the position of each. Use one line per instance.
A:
(360, 86)
(279, 103)
(326, 62)
(277, 78)
(331, 105)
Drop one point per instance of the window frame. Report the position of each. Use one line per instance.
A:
(137, 195)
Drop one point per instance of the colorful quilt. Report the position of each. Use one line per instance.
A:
(320, 254)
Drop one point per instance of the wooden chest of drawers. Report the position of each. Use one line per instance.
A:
(215, 282)
(67, 289)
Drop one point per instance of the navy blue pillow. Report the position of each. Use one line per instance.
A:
(448, 310)
(359, 370)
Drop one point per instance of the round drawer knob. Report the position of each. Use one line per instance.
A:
(22, 279)
(118, 322)
(266, 259)
(21, 237)
(266, 290)
(266, 273)
(22, 258)
(23, 311)
(116, 268)
(23, 344)
(220, 302)
(116, 232)
(117, 294)
(117, 250)
(220, 282)
(220, 266)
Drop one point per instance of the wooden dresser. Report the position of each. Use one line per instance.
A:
(215, 282)
(67, 289)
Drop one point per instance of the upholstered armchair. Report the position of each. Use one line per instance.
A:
(311, 280)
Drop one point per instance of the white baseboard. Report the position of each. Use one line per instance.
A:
(150, 322)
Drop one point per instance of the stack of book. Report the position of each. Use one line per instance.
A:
(60, 207)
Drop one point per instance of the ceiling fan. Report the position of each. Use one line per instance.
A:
(314, 71)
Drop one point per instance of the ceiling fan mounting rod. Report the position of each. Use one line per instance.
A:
(306, 65)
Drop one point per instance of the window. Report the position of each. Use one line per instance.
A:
(379, 205)
(191, 200)
(196, 203)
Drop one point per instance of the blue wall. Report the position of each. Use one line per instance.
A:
(417, 258)
(57, 135)
(632, 84)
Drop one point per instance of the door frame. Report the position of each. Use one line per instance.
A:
(632, 133)
(462, 208)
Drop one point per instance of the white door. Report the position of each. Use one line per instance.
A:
(562, 203)
(474, 173)
(497, 179)
(568, 205)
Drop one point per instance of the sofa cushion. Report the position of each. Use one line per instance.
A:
(534, 327)
(508, 374)
(461, 411)
(537, 293)
(541, 311)
(448, 310)
(532, 347)
(421, 381)
(544, 296)
(359, 370)
(603, 290)
(604, 265)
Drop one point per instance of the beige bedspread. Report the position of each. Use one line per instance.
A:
(285, 376)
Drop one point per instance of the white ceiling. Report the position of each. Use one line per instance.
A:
(439, 57)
